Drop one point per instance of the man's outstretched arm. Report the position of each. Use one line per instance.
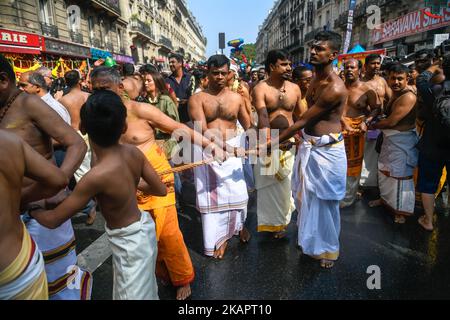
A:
(327, 102)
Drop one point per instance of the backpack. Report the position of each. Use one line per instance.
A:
(441, 109)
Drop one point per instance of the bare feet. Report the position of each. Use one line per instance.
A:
(326, 264)
(184, 292)
(280, 235)
(91, 216)
(400, 219)
(375, 203)
(426, 224)
(245, 235)
(219, 253)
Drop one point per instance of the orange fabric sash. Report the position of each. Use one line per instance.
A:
(158, 160)
(354, 147)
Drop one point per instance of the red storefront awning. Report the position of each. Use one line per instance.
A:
(23, 50)
(19, 42)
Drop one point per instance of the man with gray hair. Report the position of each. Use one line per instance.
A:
(48, 76)
(34, 83)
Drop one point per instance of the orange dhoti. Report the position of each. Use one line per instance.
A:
(173, 263)
(354, 148)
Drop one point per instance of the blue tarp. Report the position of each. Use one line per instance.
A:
(357, 49)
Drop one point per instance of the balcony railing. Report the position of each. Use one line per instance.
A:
(109, 47)
(311, 35)
(113, 5)
(166, 42)
(95, 42)
(139, 26)
(341, 21)
(319, 4)
(49, 30)
(76, 37)
(297, 44)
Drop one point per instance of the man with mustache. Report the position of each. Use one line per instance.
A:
(277, 100)
(362, 107)
(398, 157)
(321, 164)
(372, 77)
(222, 196)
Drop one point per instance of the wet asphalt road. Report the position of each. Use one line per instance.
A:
(414, 264)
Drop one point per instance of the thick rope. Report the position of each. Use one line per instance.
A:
(285, 146)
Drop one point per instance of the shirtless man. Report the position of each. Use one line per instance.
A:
(362, 107)
(321, 164)
(73, 101)
(302, 76)
(217, 110)
(276, 101)
(142, 118)
(373, 78)
(398, 157)
(18, 159)
(113, 179)
(132, 83)
(34, 121)
(75, 98)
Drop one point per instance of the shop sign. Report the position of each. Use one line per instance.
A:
(65, 49)
(100, 54)
(123, 59)
(19, 42)
(412, 23)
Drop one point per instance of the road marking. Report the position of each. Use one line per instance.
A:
(95, 255)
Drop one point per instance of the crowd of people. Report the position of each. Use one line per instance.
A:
(111, 140)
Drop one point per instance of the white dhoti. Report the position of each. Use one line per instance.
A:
(396, 164)
(134, 252)
(221, 198)
(66, 281)
(321, 167)
(24, 278)
(275, 204)
(86, 164)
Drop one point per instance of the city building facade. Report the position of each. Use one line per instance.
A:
(137, 31)
(403, 26)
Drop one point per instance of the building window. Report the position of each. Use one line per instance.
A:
(45, 12)
(91, 28)
(119, 39)
(102, 33)
(106, 28)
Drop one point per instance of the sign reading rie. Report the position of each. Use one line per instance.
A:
(412, 23)
(19, 38)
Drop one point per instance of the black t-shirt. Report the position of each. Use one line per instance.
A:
(183, 92)
(433, 143)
